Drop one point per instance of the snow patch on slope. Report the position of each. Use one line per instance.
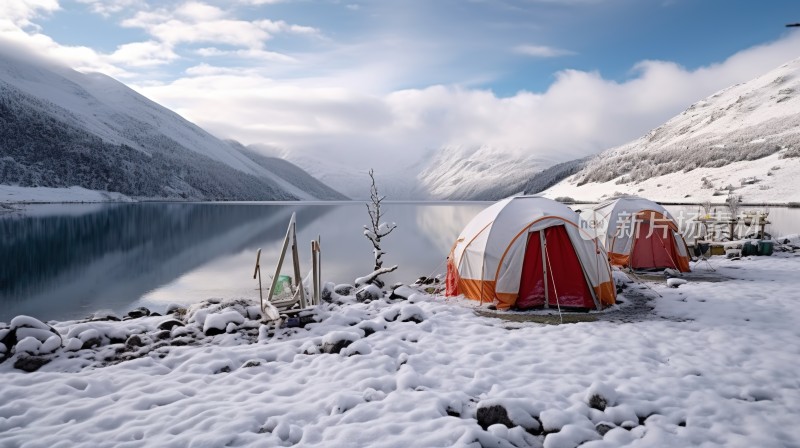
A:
(750, 129)
(482, 173)
(776, 183)
(9, 193)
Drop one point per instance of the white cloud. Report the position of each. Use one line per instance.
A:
(142, 54)
(579, 114)
(197, 22)
(18, 13)
(280, 26)
(178, 27)
(542, 51)
(78, 57)
(108, 7)
(249, 53)
(261, 2)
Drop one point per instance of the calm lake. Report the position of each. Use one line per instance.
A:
(67, 261)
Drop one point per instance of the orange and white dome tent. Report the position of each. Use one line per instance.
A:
(508, 250)
(640, 234)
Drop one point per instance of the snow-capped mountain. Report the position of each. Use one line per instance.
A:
(354, 182)
(62, 128)
(482, 173)
(449, 173)
(743, 140)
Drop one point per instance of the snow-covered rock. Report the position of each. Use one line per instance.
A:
(368, 293)
(23, 321)
(676, 282)
(600, 395)
(219, 322)
(28, 345)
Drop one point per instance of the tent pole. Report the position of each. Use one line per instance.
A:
(483, 264)
(543, 245)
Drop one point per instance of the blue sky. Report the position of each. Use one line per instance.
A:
(554, 78)
(478, 43)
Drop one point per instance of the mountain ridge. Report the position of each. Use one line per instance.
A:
(743, 140)
(61, 128)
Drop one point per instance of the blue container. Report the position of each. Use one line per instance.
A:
(765, 247)
(749, 248)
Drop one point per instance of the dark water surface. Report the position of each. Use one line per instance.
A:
(67, 261)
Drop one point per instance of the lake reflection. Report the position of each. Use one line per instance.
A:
(66, 261)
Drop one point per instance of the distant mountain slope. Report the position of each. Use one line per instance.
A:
(548, 177)
(743, 140)
(62, 128)
(482, 173)
(293, 174)
(39, 150)
(393, 182)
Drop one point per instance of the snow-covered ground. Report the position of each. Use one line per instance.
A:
(32, 195)
(714, 364)
(777, 184)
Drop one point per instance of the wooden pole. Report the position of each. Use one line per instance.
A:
(314, 273)
(280, 262)
(296, 256)
(258, 273)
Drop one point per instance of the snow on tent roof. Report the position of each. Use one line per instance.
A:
(493, 257)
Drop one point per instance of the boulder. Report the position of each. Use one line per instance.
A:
(335, 347)
(411, 313)
(134, 342)
(161, 335)
(22, 327)
(344, 289)
(493, 415)
(30, 363)
(368, 293)
(328, 293)
(603, 427)
(91, 342)
(218, 323)
(73, 345)
(600, 395)
(169, 324)
(176, 309)
(104, 316)
(29, 345)
(403, 292)
(335, 341)
(138, 312)
(675, 282)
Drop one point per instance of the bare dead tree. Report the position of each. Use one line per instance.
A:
(706, 206)
(733, 202)
(377, 230)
